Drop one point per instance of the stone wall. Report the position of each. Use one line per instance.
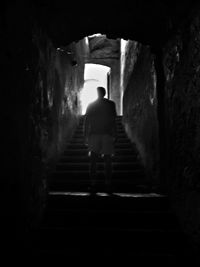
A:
(140, 106)
(40, 113)
(129, 59)
(182, 92)
(64, 99)
(115, 92)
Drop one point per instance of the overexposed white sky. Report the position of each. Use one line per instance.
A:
(95, 75)
(98, 72)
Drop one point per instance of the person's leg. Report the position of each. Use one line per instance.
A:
(108, 171)
(93, 171)
(108, 150)
(94, 148)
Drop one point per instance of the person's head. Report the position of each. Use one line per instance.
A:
(101, 91)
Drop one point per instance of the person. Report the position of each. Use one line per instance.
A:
(100, 134)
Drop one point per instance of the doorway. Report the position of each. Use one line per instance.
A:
(94, 75)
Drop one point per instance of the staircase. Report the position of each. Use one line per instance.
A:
(127, 228)
(72, 171)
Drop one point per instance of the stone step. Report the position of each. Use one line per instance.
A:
(81, 140)
(121, 152)
(118, 123)
(80, 135)
(100, 166)
(123, 174)
(119, 128)
(119, 141)
(122, 202)
(121, 254)
(77, 183)
(82, 186)
(140, 240)
(109, 218)
(119, 132)
(82, 159)
(72, 145)
(118, 118)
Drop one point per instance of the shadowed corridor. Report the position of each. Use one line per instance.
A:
(150, 53)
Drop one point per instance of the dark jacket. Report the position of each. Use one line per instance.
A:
(100, 117)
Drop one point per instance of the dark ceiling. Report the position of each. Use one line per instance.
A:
(144, 21)
(149, 22)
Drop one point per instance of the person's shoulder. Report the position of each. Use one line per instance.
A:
(111, 102)
(91, 106)
(94, 103)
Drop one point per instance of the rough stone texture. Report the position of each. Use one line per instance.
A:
(140, 107)
(102, 47)
(182, 70)
(130, 57)
(27, 119)
(63, 99)
(40, 113)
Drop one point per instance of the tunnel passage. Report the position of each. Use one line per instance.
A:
(40, 129)
(48, 27)
(130, 79)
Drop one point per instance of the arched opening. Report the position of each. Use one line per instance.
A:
(94, 75)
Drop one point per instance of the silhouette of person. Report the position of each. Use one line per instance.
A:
(100, 134)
